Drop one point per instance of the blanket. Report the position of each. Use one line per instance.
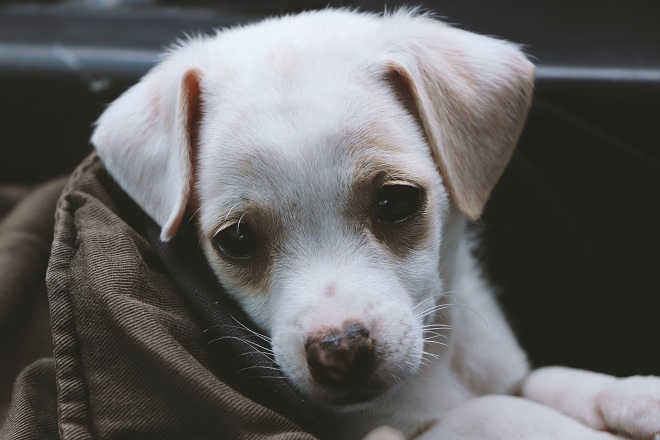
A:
(132, 357)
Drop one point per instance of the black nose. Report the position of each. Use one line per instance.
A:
(341, 358)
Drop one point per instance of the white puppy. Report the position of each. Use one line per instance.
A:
(332, 159)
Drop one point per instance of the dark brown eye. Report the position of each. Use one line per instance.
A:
(237, 241)
(397, 202)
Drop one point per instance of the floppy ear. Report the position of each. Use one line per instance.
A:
(147, 137)
(471, 95)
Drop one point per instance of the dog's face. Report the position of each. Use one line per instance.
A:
(326, 228)
(322, 155)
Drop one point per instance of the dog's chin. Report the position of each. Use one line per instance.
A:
(359, 400)
(354, 398)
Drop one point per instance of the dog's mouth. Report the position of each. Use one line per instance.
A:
(356, 397)
(353, 393)
(362, 394)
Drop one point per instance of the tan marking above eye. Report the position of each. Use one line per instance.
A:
(221, 228)
(225, 225)
(398, 182)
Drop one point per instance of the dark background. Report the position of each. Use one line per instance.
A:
(571, 236)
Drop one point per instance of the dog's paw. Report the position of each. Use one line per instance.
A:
(385, 433)
(631, 406)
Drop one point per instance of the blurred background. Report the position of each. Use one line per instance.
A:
(571, 235)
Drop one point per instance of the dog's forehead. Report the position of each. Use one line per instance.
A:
(288, 125)
(284, 165)
(304, 151)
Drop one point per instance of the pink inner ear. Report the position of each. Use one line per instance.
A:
(400, 84)
(194, 107)
(190, 100)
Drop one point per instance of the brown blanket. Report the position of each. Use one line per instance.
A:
(26, 232)
(130, 358)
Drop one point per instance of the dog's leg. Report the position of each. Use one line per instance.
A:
(499, 417)
(630, 406)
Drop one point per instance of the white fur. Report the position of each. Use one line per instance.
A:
(295, 110)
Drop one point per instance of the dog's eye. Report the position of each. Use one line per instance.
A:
(397, 202)
(237, 240)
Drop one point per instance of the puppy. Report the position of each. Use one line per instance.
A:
(331, 159)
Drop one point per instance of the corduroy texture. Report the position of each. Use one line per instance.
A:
(130, 357)
(33, 413)
(26, 231)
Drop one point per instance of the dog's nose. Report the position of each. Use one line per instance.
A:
(341, 357)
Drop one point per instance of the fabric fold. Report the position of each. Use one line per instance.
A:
(131, 358)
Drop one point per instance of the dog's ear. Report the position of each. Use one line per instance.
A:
(147, 140)
(471, 95)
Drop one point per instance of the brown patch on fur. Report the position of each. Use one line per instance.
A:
(400, 237)
(405, 236)
(255, 272)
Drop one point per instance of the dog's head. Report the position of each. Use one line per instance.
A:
(323, 155)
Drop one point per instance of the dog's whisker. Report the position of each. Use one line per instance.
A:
(437, 335)
(247, 353)
(254, 344)
(238, 226)
(185, 227)
(431, 310)
(431, 357)
(256, 334)
(424, 353)
(437, 326)
(230, 211)
(435, 295)
(211, 328)
(243, 326)
(435, 342)
(269, 377)
(429, 362)
(421, 361)
(464, 307)
(252, 367)
(461, 307)
(217, 228)
(434, 334)
(396, 378)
